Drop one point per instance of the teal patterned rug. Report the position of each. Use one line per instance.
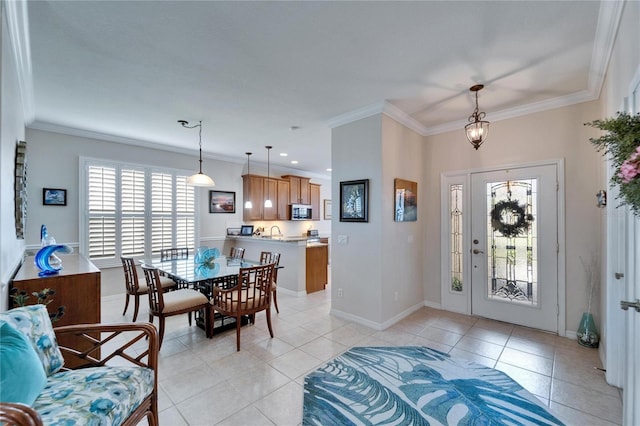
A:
(415, 385)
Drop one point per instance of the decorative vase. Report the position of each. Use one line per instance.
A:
(587, 333)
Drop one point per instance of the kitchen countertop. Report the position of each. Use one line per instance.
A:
(284, 239)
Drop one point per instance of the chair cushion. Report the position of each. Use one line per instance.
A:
(165, 282)
(22, 377)
(179, 300)
(33, 321)
(94, 396)
(232, 305)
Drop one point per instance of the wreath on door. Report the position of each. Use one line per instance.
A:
(503, 212)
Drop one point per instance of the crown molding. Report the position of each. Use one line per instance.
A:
(18, 26)
(608, 22)
(383, 107)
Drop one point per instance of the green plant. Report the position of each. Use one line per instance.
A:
(456, 284)
(20, 298)
(622, 143)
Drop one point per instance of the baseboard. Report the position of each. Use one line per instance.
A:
(430, 304)
(356, 319)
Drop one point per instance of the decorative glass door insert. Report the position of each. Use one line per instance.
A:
(511, 241)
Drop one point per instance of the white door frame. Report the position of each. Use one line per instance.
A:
(461, 302)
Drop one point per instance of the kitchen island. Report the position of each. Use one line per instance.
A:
(298, 258)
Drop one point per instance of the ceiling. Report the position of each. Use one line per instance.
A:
(128, 70)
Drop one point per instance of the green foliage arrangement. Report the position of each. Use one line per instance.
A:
(622, 143)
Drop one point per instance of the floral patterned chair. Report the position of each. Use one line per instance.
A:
(116, 385)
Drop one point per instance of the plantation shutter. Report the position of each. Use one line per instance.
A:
(135, 211)
(132, 187)
(102, 212)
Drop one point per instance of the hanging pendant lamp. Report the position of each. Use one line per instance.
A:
(477, 129)
(248, 204)
(198, 179)
(267, 201)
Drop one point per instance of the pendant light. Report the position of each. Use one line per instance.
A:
(248, 204)
(267, 201)
(477, 129)
(198, 179)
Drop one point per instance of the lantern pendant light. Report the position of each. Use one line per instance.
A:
(477, 129)
(267, 201)
(248, 204)
(198, 179)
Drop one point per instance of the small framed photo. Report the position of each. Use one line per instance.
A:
(327, 209)
(54, 197)
(246, 230)
(222, 202)
(354, 201)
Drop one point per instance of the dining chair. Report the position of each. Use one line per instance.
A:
(135, 289)
(237, 252)
(250, 294)
(172, 303)
(174, 253)
(272, 257)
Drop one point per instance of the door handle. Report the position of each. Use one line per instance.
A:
(626, 305)
(618, 275)
(476, 251)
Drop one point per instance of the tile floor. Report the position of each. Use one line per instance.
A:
(206, 382)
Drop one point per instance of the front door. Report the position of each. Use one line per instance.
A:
(514, 246)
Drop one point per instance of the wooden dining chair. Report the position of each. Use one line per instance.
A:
(250, 294)
(272, 257)
(135, 289)
(174, 253)
(172, 303)
(237, 252)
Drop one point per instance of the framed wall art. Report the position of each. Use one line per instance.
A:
(222, 202)
(327, 209)
(54, 197)
(405, 200)
(354, 201)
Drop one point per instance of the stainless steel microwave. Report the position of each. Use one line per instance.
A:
(300, 212)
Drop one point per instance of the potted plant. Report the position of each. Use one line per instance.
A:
(622, 143)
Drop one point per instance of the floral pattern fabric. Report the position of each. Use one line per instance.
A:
(33, 321)
(93, 396)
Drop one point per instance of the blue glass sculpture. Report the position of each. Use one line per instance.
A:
(47, 261)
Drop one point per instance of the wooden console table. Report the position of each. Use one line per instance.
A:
(76, 286)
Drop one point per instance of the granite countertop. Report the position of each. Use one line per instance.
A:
(283, 239)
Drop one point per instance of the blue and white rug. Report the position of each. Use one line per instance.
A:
(415, 385)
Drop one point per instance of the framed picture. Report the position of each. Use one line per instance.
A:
(222, 202)
(246, 230)
(327, 209)
(354, 201)
(54, 197)
(406, 200)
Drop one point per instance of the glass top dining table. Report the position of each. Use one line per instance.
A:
(187, 271)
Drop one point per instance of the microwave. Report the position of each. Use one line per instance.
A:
(299, 212)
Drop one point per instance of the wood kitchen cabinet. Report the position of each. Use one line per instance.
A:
(314, 193)
(317, 259)
(76, 286)
(256, 188)
(298, 189)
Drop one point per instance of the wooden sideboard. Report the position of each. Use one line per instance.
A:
(76, 286)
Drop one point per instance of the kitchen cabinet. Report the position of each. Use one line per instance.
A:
(77, 288)
(283, 199)
(298, 189)
(314, 193)
(257, 188)
(316, 274)
(253, 191)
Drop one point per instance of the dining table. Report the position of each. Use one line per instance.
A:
(203, 274)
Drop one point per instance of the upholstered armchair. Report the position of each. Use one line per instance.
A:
(115, 381)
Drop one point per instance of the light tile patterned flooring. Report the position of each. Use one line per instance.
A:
(206, 382)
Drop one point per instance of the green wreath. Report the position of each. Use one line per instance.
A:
(510, 230)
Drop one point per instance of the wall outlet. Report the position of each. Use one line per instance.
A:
(339, 292)
(395, 296)
(343, 239)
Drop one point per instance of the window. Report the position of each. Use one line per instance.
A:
(133, 210)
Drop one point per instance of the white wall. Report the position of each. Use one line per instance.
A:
(553, 134)
(11, 131)
(356, 267)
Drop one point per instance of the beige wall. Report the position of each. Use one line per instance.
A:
(554, 134)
